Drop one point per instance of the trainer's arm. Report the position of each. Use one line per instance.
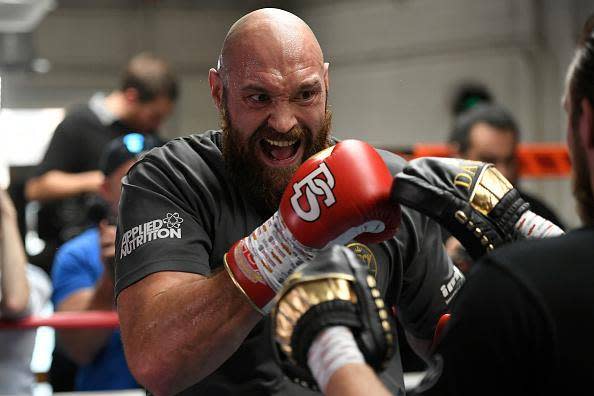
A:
(355, 379)
(57, 184)
(14, 286)
(178, 327)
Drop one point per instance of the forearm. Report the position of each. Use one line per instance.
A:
(83, 345)
(339, 367)
(355, 379)
(184, 330)
(13, 261)
(58, 185)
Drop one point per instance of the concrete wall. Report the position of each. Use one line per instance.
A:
(394, 64)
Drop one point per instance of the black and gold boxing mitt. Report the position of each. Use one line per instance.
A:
(472, 200)
(334, 289)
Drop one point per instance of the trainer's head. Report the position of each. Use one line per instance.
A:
(579, 103)
(149, 90)
(488, 133)
(270, 87)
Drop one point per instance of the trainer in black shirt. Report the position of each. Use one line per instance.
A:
(521, 324)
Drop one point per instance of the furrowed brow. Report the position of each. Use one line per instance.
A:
(310, 85)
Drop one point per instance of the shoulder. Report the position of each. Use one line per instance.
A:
(191, 147)
(39, 281)
(183, 150)
(182, 160)
(394, 162)
(78, 122)
(78, 114)
(532, 262)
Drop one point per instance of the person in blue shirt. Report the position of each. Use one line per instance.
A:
(82, 276)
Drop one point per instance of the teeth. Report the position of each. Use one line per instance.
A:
(280, 143)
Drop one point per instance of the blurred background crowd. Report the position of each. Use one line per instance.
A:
(85, 87)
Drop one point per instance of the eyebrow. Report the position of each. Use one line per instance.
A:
(256, 87)
(316, 84)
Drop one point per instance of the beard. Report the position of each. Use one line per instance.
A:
(261, 184)
(581, 183)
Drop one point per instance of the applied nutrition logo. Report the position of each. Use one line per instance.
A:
(168, 227)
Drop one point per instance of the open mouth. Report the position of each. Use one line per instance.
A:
(280, 152)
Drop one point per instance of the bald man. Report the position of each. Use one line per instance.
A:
(194, 319)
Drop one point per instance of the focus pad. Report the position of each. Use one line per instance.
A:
(471, 199)
(334, 289)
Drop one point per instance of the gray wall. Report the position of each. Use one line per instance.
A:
(394, 63)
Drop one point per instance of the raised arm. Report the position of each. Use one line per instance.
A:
(56, 184)
(62, 173)
(13, 280)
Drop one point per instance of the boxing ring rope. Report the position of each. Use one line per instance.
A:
(66, 320)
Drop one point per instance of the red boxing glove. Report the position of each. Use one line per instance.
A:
(339, 194)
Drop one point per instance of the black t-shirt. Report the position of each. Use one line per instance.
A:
(179, 211)
(75, 147)
(523, 322)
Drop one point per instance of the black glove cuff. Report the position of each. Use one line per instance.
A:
(316, 319)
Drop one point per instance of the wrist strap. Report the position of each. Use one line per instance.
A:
(276, 252)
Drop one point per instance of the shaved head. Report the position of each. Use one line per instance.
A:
(268, 36)
(270, 88)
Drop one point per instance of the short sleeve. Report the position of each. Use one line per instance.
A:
(40, 289)
(71, 272)
(429, 279)
(159, 225)
(60, 154)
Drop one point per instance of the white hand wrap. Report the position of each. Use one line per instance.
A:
(532, 226)
(276, 252)
(332, 349)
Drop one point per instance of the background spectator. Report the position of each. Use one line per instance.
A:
(70, 168)
(487, 132)
(69, 175)
(82, 275)
(24, 290)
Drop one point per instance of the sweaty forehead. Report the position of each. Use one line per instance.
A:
(271, 50)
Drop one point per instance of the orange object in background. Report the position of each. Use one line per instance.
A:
(537, 160)
(544, 160)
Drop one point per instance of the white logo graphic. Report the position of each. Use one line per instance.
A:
(169, 227)
(449, 289)
(314, 185)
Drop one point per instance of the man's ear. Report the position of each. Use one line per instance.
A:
(326, 76)
(104, 190)
(216, 87)
(131, 95)
(586, 125)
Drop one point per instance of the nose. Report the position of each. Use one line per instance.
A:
(282, 117)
